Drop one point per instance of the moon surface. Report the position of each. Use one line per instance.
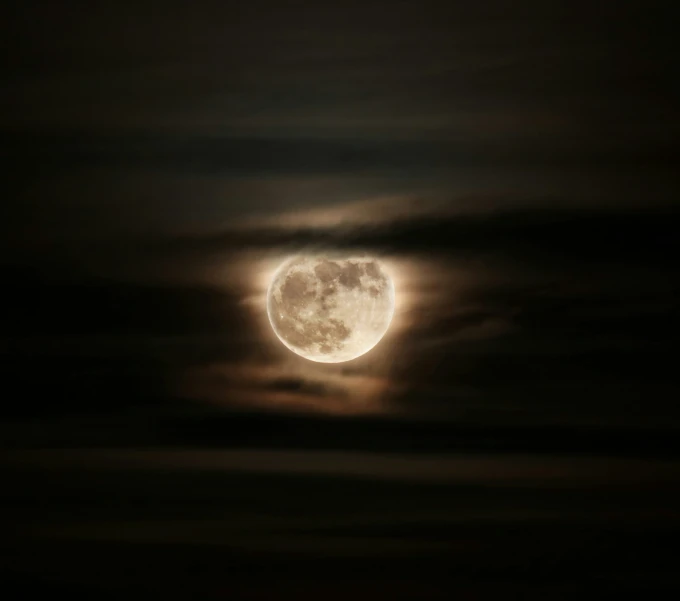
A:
(330, 310)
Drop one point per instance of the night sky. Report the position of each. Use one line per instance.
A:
(516, 433)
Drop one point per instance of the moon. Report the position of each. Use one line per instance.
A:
(330, 310)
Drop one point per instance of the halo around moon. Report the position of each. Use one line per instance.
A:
(330, 310)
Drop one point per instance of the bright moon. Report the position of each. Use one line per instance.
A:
(330, 310)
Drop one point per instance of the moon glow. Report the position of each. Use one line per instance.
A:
(330, 310)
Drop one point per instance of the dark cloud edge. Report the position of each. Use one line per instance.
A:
(632, 235)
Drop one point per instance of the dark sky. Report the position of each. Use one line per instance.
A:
(512, 163)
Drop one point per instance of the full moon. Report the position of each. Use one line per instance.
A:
(330, 310)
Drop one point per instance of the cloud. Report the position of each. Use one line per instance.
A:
(288, 385)
(533, 236)
(311, 155)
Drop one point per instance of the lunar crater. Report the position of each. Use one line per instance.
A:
(330, 310)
